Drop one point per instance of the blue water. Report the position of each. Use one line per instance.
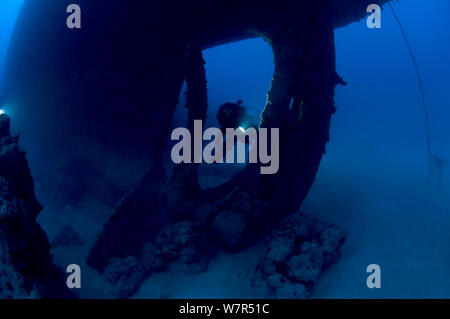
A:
(9, 10)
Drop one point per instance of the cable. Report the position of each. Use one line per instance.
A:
(422, 91)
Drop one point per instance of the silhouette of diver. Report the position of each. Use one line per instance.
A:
(437, 167)
(234, 115)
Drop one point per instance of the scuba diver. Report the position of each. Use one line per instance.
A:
(234, 115)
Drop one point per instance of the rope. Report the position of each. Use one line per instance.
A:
(422, 91)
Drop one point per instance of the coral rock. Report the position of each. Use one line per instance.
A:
(228, 228)
(300, 248)
(152, 258)
(26, 268)
(179, 240)
(125, 274)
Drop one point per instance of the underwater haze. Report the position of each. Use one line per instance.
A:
(9, 10)
(373, 181)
